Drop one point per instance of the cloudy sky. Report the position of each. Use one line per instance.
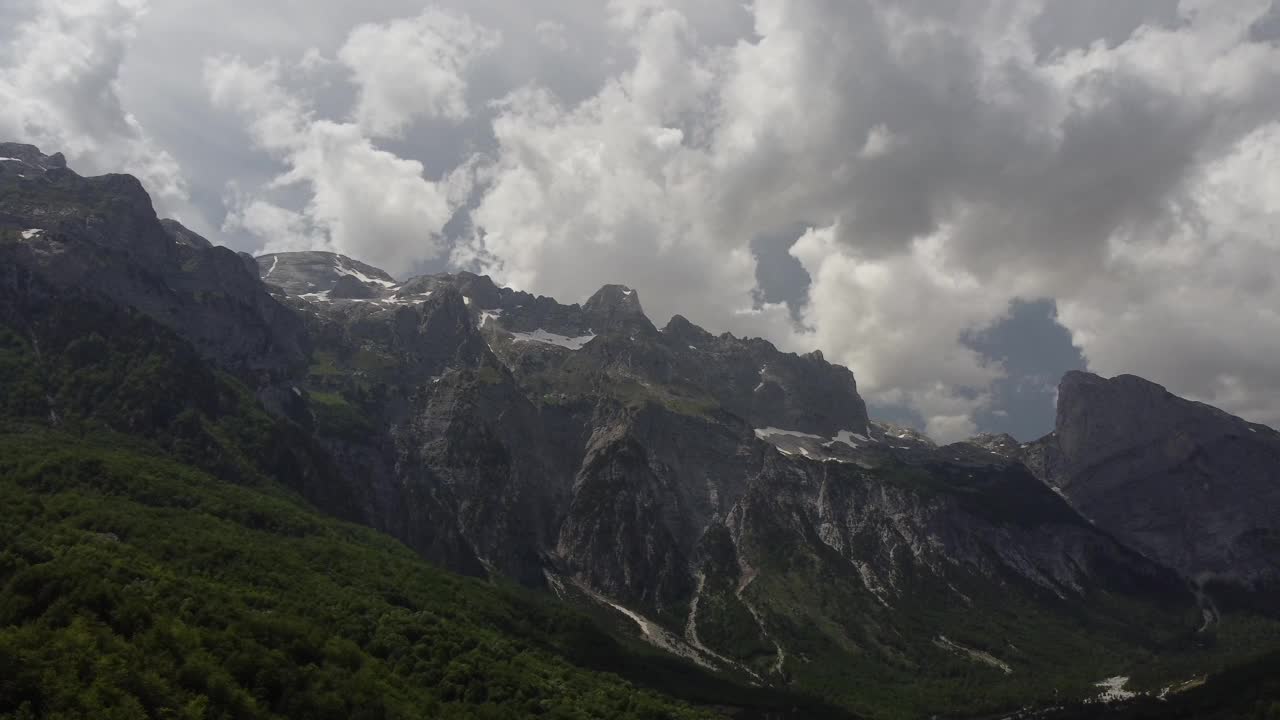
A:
(958, 200)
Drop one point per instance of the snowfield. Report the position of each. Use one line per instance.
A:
(548, 338)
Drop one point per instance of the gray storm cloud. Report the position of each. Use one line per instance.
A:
(942, 162)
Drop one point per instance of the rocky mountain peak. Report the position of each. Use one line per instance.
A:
(615, 306)
(679, 328)
(101, 235)
(20, 155)
(998, 443)
(480, 288)
(315, 271)
(1096, 414)
(1183, 482)
(900, 436)
(438, 332)
(112, 212)
(615, 295)
(450, 300)
(183, 236)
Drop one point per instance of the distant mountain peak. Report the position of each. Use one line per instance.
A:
(616, 306)
(318, 271)
(680, 328)
(998, 443)
(29, 155)
(619, 296)
(1187, 484)
(100, 235)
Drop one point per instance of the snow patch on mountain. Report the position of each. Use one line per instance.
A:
(852, 439)
(1113, 690)
(768, 432)
(549, 338)
(342, 269)
(978, 655)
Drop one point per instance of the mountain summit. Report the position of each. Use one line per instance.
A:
(101, 235)
(1187, 484)
(616, 306)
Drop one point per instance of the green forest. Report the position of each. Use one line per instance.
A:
(135, 586)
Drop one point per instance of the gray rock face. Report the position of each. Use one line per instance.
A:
(984, 517)
(675, 471)
(350, 288)
(301, 273)
(21, 159)
(1000, 444)
(101, 234)
(768, 388)
(616, 307)
(181, 235)
(1186, 484)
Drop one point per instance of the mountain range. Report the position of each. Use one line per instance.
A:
(684, 499)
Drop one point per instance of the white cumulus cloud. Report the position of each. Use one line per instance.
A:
(59, 69)
(413, 67)
(948, 163)
(364, 201)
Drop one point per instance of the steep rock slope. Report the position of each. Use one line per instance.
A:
(1186, 484)
(101, 234)
(732, 502)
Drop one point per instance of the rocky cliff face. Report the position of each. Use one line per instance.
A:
(727, 501)
(101, 234)
(722, 495)
(1186, 484)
